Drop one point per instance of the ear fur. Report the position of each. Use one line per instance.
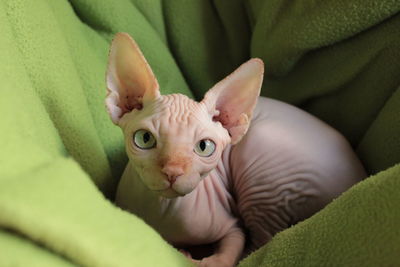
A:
(130, 80)
(232, 100)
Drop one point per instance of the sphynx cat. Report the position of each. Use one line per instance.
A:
(233, 163)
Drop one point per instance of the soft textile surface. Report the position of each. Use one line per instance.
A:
(61, 157)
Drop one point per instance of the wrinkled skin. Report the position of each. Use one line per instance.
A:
(262, 177)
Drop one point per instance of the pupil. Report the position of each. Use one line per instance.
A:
(146, 137)
(202, 145)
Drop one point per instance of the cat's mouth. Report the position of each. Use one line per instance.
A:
(173, 189)
(169, 193)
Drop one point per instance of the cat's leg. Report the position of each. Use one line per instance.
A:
(228, 252)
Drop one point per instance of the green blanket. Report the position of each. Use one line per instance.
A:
(61, 157)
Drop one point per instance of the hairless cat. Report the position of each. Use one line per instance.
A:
(233, 163)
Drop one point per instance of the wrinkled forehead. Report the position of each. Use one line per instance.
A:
(179, 115)
(176, 119)
(180, 107)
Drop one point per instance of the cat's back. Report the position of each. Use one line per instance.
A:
(288, 166)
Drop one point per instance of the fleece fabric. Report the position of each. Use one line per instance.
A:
(61, 157)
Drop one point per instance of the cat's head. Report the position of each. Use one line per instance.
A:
(172, 141)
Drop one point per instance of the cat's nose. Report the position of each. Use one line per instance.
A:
(172, 172)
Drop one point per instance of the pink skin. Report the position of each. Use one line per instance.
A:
(288, 166)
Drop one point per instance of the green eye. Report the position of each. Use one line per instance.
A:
(204, 148)
(144, 139)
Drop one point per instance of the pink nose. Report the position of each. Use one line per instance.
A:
(172, 172)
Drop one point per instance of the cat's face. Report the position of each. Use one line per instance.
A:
(172, 141)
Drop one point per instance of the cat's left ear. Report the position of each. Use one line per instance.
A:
(130, 80)
(232, 100)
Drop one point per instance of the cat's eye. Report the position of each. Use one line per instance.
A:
(143, 139)
(204, 148)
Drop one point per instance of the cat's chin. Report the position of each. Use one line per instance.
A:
(170, 193)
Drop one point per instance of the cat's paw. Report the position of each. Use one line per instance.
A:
(215, 261)
(186, 253)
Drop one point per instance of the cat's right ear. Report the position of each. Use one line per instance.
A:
(130, 80)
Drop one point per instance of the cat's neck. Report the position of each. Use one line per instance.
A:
(223, 168)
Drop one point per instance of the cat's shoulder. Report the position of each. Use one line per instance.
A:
(274, 115)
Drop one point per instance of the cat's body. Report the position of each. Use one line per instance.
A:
(280, 173)
(197, 177)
